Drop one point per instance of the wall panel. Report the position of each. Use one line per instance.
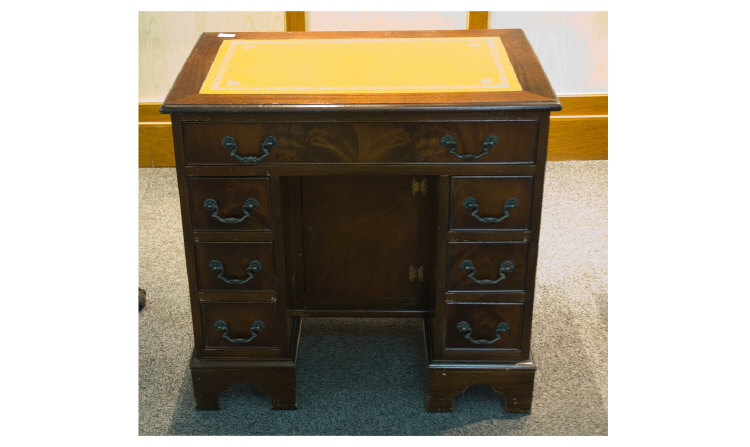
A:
(572, 46)
(384, 20)
(166, 38)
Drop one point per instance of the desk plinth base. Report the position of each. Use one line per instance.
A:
(514, 380)
(212, 377)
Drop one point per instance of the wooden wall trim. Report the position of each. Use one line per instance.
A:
(580, 130)
(478, 20)
(577, 132)
(295, 21)
(573, 105)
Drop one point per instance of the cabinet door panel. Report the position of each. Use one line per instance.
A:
(365, 243)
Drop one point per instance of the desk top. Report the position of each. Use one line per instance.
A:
(360, 65)
(425, 70)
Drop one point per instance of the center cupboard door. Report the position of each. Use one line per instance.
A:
(366, 242)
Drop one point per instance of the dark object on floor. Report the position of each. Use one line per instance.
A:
(141, 299)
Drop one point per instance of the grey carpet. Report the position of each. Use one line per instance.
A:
(367, 376)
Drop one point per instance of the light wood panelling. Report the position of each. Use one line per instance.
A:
(477, 20)
(578, 132)
(148, 112)
(295, 21)
(166, 38)
(573, 105)
(577, 138)
(155, 145)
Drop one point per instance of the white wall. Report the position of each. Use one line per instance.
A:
(572, 46)
(166, 38)
(384, 20)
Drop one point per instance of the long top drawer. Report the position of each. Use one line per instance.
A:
(499, 141)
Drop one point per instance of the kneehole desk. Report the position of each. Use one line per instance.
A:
(362, 174)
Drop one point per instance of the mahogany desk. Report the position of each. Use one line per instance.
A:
(372, 174)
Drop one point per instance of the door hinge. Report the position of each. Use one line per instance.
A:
(419, 186)
(416, 273)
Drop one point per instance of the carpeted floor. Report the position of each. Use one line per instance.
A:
(343, 389)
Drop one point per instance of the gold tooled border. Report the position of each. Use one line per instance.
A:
(212, 82)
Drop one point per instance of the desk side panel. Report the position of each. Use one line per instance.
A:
(184, 192)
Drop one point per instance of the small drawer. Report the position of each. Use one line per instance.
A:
(232, 204)
(487, 266)
(235, 266)
(241, 143)
(491, 203)
(478, 142)
(239, 325)
(483, 326)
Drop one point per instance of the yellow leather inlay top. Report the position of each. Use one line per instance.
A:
(326, 66)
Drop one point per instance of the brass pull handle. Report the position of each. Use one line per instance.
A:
(212, 205)
(268, 143)
(465, 328)
(256, 327)
(450, 142)
(471, 204)
(505, 267)
(254, 267)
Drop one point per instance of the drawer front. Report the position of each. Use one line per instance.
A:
(241, 144)
(487, 266)
(491, 203)
(235, 266)
(483, 326)
(360, 142)
(477, 142)
(239, 325)
(235, 204)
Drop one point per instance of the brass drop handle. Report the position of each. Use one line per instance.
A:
(212, 205)
(505, 267)
(471, 204)
(465, 328)
(449, 141)
(256, 327)
(254, 267)
(268, 143)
